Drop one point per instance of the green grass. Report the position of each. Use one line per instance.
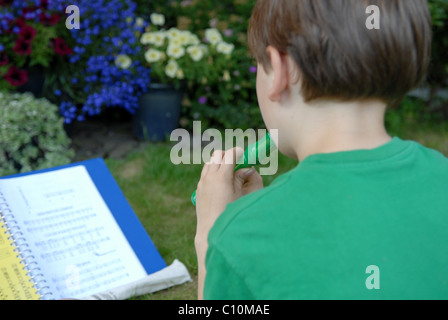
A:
(160, 192)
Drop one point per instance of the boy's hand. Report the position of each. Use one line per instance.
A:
(220, 185)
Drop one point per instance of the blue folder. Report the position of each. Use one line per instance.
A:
(123, 213)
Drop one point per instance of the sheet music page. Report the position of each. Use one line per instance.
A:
(78, 246)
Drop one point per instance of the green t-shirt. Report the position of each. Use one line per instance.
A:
(365, 224)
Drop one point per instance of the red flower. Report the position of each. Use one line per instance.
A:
(16, 77)
(3, 59)
(19, 22)
(27, 34)
(49, 20)
(22, 47)
(61, 48)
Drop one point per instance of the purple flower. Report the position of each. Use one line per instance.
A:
(228, 32)
(202, 100)
(185, 3)
(214, 22)
(253, 69)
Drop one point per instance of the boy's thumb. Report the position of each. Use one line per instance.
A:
(241, 176)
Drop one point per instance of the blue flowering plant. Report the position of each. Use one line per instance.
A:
(178, 56)
(31, 34)
(100, 74)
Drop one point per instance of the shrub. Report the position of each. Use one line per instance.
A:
(32, 136)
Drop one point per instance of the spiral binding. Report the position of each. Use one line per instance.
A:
(12, 229)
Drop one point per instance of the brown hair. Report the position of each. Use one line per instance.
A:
(337, 55)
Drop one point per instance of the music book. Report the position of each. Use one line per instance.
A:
(69, 233)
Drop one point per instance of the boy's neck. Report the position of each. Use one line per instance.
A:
(329, 127)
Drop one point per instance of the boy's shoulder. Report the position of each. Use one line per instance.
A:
(430, 161)
(322, 180)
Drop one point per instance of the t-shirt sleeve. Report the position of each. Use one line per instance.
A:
(222, 282)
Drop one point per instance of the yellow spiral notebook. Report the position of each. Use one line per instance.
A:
(69, 232)
(15, 282)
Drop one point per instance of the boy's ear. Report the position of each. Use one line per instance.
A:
(280, 70)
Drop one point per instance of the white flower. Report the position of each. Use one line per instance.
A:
(175, 51)
(147, 38)
(123, 61)
(159, 38)
(171, 69)
(184, 37)
(213, 36)
(194, 40)
(153, 55)
(226, 76)
(175, 42)
(139, 22)
(173, 33)
(156, 38)
(225, 48)
(196, 53)
(157, 19)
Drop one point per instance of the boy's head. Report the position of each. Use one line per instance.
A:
(337, 55)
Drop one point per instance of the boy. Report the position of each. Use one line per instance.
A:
(364, 215)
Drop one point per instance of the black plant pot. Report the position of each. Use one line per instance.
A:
(158, 113)
(35, 84)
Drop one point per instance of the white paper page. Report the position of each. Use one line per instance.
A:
(79, 247)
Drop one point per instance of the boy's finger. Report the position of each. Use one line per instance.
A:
(204, 170)
(216, 160)
(230, 158)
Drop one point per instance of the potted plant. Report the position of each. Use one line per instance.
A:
(230, 102)
(177, 59)
(31, 38)
(102, 73)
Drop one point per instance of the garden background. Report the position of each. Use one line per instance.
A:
(87, 84)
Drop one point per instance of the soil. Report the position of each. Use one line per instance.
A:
(99, 138)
